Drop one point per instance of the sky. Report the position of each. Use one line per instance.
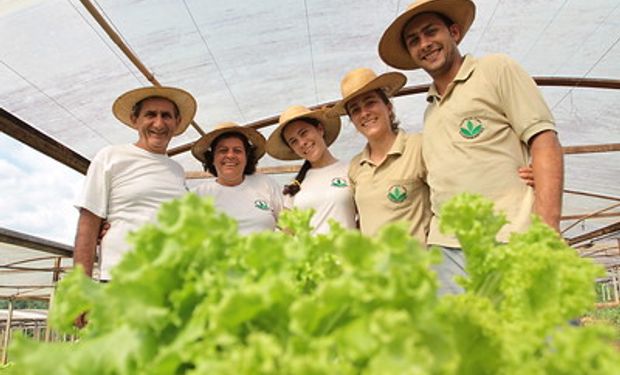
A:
(37, 193)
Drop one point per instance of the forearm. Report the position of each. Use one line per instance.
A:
(86, 240)
(548, 168)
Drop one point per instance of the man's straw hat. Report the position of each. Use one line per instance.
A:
(277, 148)
(255, 138)
(392, 48)
(184, 101)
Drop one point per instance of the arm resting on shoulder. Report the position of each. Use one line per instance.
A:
(86, 237)
(548, 167)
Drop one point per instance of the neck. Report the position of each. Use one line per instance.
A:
(326, 159)
(379, 148)
(229, 182)
(444, 78)
(143, 146)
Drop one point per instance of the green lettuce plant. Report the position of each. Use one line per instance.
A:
(194, 297)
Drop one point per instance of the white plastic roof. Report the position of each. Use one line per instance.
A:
(247, 60)
(27, 273)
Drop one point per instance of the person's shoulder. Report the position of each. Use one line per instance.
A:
(205, 187)
(495, 58)
(497, 61)
(342, 165)
(413, 138)
(355, 160)
(260, 178)
(111, 153)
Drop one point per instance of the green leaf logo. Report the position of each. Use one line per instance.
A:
(397, 193)
(473, 127)
(339, 182)
(261, 205)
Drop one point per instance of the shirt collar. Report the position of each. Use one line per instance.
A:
(467, 68)
(398, 147)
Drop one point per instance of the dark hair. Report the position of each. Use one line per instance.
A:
(135, 110)
(312, 121)
(250, 153)
(394, 123)
(445, 19)
(294, 187)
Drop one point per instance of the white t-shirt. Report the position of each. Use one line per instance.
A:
(255, 203)
(126, 185)
(328, 192)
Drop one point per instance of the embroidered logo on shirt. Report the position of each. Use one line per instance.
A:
(471, 128)
(397, 193)
(339, 182)
(262, 205)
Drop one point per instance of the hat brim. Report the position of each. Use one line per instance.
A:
(253, 136)
(390, 83)
(392, 49)
(278, 149)
(184, 101)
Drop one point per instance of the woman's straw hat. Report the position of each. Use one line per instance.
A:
(277, 148)
(255, 138)
(362, 80)
(184, 101)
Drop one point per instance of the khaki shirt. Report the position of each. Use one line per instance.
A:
(476, 137)
(393, 190)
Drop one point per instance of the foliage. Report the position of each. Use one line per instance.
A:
(194, 297)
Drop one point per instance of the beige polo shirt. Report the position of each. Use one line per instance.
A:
(475, 139)
(393, 190)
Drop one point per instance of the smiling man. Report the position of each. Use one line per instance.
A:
(126, 184)
(485, 118)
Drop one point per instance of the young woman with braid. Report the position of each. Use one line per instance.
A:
(321, 183)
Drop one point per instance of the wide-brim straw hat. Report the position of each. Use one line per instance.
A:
(392, 48)
(255, 138)
(184, 100)
(277, 148)
(362, 80)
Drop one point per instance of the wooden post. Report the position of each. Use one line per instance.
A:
(7, 333)
(55, 278)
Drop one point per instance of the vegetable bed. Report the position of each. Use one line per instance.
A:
(194, 297)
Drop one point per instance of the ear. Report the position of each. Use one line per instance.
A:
(133, 119)
(321, 129)
(455, 32)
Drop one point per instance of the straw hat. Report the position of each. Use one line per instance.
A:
(363, 80)
(392, 48)
(255, 138)
(184, 100)
(277, 148)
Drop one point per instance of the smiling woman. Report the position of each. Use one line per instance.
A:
(230, 153)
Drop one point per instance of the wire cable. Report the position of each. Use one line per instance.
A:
(587, 73)
(316, 90)
(64, 108)
(217, 66)
(544, 30)
(106, 44)
(486, 27)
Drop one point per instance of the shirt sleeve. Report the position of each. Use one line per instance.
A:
(523, 102)
(96, 189)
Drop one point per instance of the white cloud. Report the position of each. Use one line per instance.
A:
(36, 193)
